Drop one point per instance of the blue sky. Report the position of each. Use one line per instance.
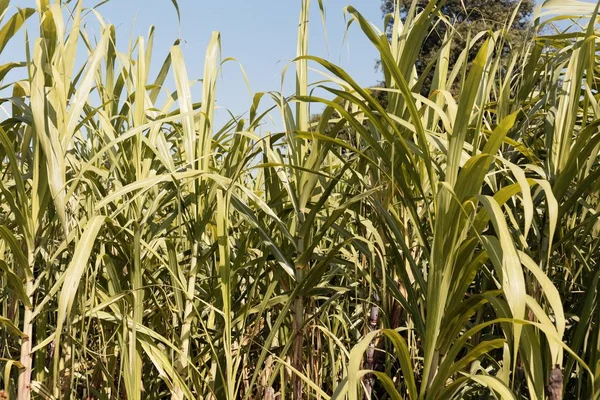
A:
(260, 34)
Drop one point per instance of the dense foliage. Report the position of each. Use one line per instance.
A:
(446, 248)
(465, 18)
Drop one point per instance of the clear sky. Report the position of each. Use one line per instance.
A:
(260, 34)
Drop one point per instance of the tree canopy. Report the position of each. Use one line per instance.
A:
(467, 17)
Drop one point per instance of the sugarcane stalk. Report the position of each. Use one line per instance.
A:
(24, 382)
(186, 327)
(369, 379)
(555, 387)
(298, 344)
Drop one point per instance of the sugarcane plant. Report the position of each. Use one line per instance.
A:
(439, 245)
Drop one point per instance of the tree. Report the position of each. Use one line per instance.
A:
(467, 16)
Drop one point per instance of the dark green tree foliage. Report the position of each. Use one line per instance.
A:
(467, 17)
